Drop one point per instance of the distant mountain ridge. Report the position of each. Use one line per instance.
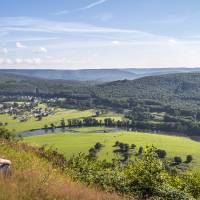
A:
(99, 75)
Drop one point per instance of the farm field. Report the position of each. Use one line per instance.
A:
(92, 129)
(110, 114)
(70, 144)
(32, 123)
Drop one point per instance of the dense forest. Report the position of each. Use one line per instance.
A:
(168, 103)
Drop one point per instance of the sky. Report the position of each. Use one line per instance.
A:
(77, 34)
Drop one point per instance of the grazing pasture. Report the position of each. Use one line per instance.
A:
(70, 144)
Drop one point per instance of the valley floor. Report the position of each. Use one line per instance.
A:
(73, 143)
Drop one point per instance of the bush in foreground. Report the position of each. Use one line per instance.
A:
(5, 134)
(146, 177)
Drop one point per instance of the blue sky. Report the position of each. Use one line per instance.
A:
(73, 34)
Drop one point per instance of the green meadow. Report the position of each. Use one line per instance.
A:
(32, 123)
(70, 144)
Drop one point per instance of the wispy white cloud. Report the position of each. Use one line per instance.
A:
(26, 24)
(19, 45)
(29, 39)
(96, 3)
(38, 26)
(76, 43)
(36, 61)
(89, 6)
(26, 61)
(40, 50)
(115, 42)
(6, 61)
(172, 41)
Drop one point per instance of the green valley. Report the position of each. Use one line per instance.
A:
(70, 144)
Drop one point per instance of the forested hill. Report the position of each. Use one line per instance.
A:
(171, 87)
(17, 84)
(167, 103)
(162, 87)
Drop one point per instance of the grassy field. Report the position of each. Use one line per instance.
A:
(92, 129)
(32, 123)
(110, 114)
(70, 144)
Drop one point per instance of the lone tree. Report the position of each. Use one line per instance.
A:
(133, 146)
(62, 123)
(52, 125)
(177, 160)
(98, 146)
(116, 144)
(189, 158)
(92, 153)
(140, 151)
(161, 153)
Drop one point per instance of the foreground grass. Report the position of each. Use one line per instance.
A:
(70, 144)
(34, 178)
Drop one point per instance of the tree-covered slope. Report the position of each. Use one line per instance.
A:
(162, 87)
(17, 84)
(171, 88)
(185, 85)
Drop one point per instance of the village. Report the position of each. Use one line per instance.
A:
(25, 108)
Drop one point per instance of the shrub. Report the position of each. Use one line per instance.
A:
(189, 158)
(170, 193)
(161, 153)
(116, 143)
(5, 134)
(92, 151)
(133, 146)
(147, 174)
(177, 160)
(98, 146)
(140, 150)
(191, 183)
